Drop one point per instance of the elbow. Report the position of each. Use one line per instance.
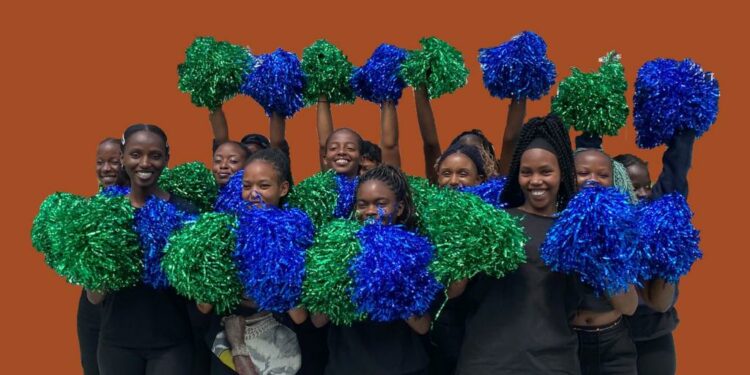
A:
(629, 310)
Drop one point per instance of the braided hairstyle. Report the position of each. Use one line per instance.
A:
(277, 159)
(397, 182)
(552, 130)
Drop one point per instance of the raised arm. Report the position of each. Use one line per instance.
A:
(428, 130)
(389, 134)
(219, 125)
(676, 163)
(516, 115)
(325, 128)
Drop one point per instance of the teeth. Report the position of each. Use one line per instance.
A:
(341, 162)
(144, 175)
(537, 193)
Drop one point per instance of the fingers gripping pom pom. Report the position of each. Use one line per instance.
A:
(518, 68)
(594, 102)
(198, 262)
(379, 79)
(670, 96)
(438, 66)
(213, 71)
(327, 72)
(276, 83)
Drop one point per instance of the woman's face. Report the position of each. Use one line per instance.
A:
(108, 163)
(375, 198)
(593, 165)
(641, 181)
(261, 184)
(228, 159)
(458, 170)
(144, 158)
(539, 178)
(342, 152)
(365, 164)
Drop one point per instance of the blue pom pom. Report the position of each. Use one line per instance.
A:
(270, 255)
(518, 68)
(669, 240)
(391, 277)
(276, 83)
(347, 189)
(379, 79)
(230, 200)
(596, 236)
(489, 191)
(115, 191)
(670, 96)
(154, 223)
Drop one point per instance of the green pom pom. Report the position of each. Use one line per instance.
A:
(55, 209)
(327, 286)
(95, 245)
(327, 71)
(470, 236)
(213, 71)
(594, 102)
(438, 66)
(191, 181)
(198, 262)
(317, 196)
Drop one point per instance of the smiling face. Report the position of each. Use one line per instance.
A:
(458, 170)
(228, 159)
(374, 198)
(593, 165)
(261, 184)
(144, 158)
(343, 153)
(641, 180)
(539, 179)
(108, 163)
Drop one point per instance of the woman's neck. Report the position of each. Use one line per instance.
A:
(529, 209)
(139, 194)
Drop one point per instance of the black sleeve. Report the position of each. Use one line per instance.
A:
(675, 165)
(588, 140)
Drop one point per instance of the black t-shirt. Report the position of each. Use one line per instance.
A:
(591, 302)
(372, 348)
(520, 323)
(89, 316)
(143, 317)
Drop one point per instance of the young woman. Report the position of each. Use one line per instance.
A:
(605, 344)
(367, 347)
(475, 137)
(653, 322)
(89, 316)
(521, 323)
(371, 157)
(266, 181)
(145, 330)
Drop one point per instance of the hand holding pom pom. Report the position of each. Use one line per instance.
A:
(518, 68)
(379, 80)
(438, 66)
(213, 71)
(594, 102)
(670, 96)
(276, 83)
(327, 72)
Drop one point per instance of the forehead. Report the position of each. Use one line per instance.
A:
(344, 136)
(374, 189)
(259, 168)
(538, 157)
(592, 157)
(144, 138)
(229, 148)
(457, 160)
(108, 148)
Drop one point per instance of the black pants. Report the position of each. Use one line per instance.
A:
(657, 356)
(174, 360)
(88, 321)
(610, 351)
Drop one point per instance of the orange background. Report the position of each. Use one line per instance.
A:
(75, 72)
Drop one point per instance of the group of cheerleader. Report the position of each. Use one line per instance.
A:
(542, 258)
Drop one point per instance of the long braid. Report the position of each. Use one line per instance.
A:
(551, 129)
(397, 182)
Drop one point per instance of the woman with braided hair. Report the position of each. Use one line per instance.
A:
(520, 323)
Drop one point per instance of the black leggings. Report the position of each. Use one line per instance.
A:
(88, 320)
(610, 351)
(174, 360)
(657, 356)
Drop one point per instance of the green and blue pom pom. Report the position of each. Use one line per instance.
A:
(379, 80)
(438, 66)
(327, 72)
(276, 83)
